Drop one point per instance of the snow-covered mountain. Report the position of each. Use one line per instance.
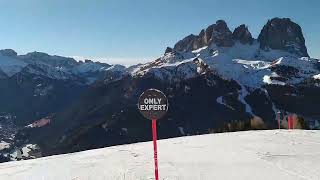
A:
(37, 85)
(251, 155)
(278, 57)
(237, 56)
(216, 81)
(54, 67)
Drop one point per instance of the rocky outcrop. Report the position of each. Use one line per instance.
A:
(278, 34)
(218, 34)
(242, 34)
(186, 44)
(8, 52)
(168, 50)
(283, 34)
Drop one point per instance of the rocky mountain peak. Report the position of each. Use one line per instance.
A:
(218, 34)
(222, 25)
(8, 52)
(221, 34)
(242, 34)
(283, 34)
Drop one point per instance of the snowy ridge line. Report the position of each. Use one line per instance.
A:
(54, 67)
(247, 64)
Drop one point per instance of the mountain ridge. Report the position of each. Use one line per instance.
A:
(286, 32)
(217, 81)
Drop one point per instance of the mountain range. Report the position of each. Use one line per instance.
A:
(215, 81)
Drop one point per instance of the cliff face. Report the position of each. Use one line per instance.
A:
(277, 33)
(218, 34)
(242, 34)
(283, 34)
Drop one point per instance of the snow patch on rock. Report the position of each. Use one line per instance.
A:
(241, 97)
(221, 100)
(316, 76)
(267, 79)
(4, 145)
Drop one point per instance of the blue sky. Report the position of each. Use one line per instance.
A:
(130, 31)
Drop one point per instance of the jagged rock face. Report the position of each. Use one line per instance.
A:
(283, 34)
(186, 44)
(168, 50)
(218, 34)
(242, 34)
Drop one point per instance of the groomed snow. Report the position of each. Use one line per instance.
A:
(251, 155)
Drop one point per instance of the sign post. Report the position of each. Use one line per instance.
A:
(155, 150)
(153, 105)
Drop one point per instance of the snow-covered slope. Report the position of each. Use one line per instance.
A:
(274, 154)
(246, 63)
(278, 56)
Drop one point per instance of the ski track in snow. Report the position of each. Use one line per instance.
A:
(273, 154)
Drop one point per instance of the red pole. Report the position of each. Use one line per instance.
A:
(154, 138)
(289, 122)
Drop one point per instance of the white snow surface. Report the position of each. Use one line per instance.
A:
(316, 76)
(250, 155)
(4, 145)
(267, 79)
(241, 97)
